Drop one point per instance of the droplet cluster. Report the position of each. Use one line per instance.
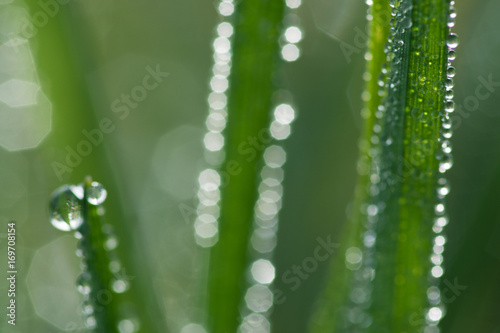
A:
(66, 211)
(206, 224)
(259, 295)
(293, 34)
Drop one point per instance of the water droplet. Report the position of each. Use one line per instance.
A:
(446, 145)
(406, 23)
(263, 271)
(90, 322)
(96, 193)
(83, 283)
(445, 163)
(437, 271)
(448, 83)
(353, 258)
(119, 286)
(115, 266)
(87, 308)
(111, 243)
(127, 326)
(449, 106)
(441, 221)
(372, 210)
(439, 209)
(66, 208)
(434, 314)
(451, 55)
(447, 133)
(452, 41)
(405, 6)
(369, 238)
(450, 72)
(443, 187)
(293, 34)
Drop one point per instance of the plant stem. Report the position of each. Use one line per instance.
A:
(108, 306)
(326, 316)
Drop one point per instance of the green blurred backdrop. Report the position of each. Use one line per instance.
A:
(90, 53)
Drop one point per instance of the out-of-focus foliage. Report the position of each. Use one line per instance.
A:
(90, 55)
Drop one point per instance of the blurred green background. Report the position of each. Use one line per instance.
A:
(90, 53)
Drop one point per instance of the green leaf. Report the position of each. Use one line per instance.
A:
(257, 26)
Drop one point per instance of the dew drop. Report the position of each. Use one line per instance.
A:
(450, 72)
(449, 106)
(405, 6)
(96, 193)
(90, 322)
(353, 258)
(447, 133)
(451, 55)
(115, 266)
(441, 221)
(443, 188)
(439, 209)
(434, 314)
(119, 286)
(446, 145)
(110, 243)
(83, 283)
(437, 271)
(448, 83)
(433, 293)
(87, 308)
(406, 23)
(452, 41)
(446, 163)
(127, 326)
(66, 208)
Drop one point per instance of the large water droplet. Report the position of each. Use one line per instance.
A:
(66, 208)
(96, 193)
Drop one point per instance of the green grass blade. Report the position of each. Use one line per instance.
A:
(108, 306)
(257, 26)
(413, 155)
(410, 152)
(64, 56)
(329, 309)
